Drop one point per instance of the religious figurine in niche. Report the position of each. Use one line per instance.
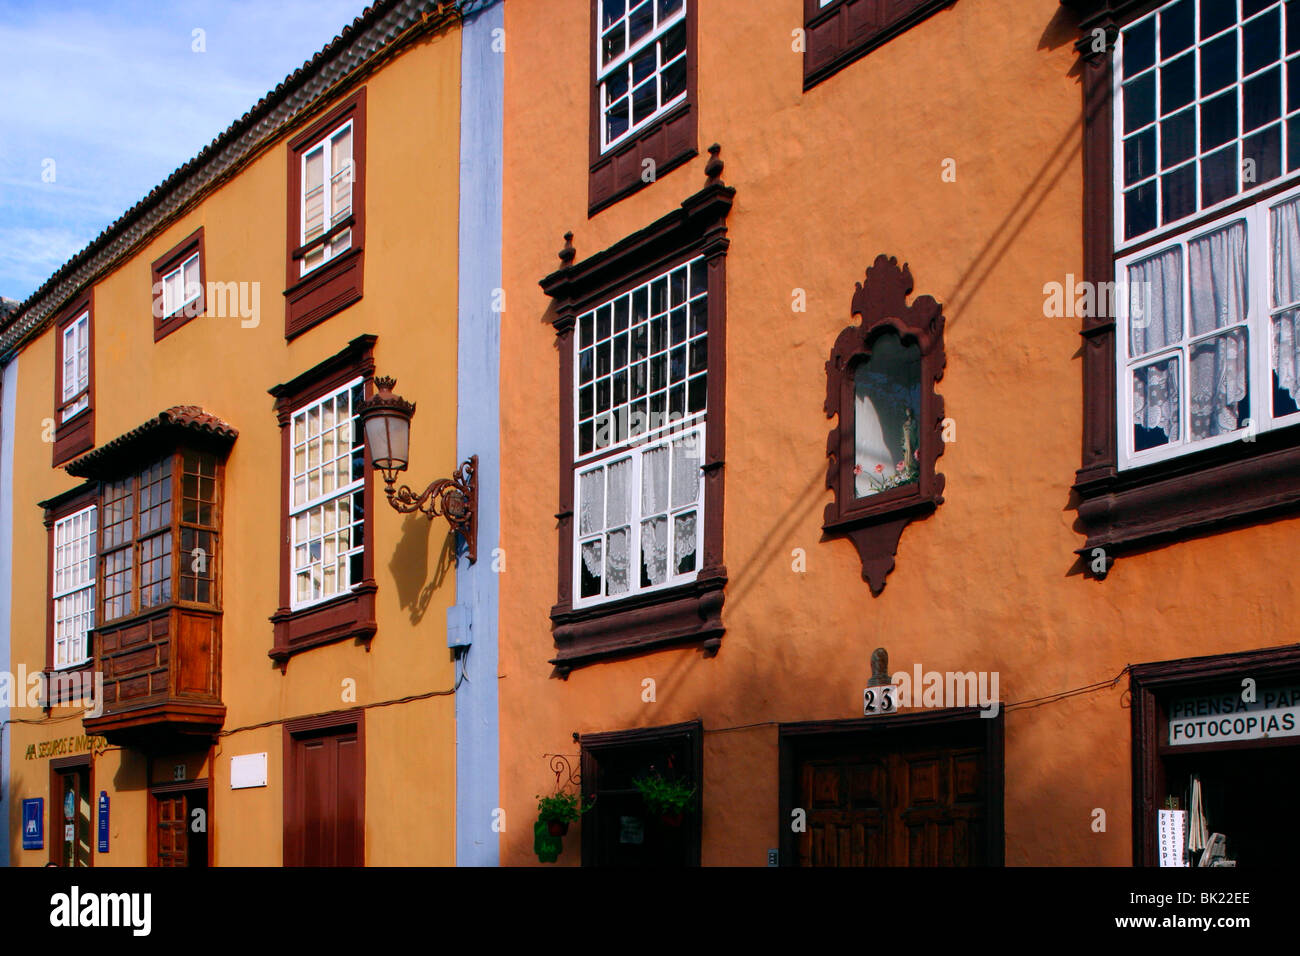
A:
(887, 399)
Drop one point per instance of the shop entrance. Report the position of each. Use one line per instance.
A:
(910, 790)
(1245, 794)
(70, 816)
(1232, 724)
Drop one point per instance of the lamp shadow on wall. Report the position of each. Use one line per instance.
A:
(409, 565)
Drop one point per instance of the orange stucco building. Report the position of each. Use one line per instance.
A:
(973, 142)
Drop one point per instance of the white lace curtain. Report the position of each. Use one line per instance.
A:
(654, 499)
(1217, 366)
(1286, 292)
(669, 471)
(605, 495)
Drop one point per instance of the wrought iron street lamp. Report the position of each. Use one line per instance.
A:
(386, 418)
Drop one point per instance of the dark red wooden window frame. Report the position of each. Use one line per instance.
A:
(1237, 483)
(350, 615)
(672, 139)
(165, 325)
(76, 435)
(690, 612)
(334, 285)
(846, 30)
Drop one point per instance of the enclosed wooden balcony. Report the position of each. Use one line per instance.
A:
(157, 643)
(162, 676)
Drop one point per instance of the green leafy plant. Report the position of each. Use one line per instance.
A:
(563, 807)
(670, 798)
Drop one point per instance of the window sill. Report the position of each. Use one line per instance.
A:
(351, 615)
(323, 292)
(668, 142)
(1181, 497)
(845, 32)
(687, 614)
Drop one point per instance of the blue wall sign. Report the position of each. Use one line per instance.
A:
(34, 823)
(103, 821)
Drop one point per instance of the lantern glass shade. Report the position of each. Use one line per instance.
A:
(388, 436)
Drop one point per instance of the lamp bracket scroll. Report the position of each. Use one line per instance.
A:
(454, 498)
(386, 419)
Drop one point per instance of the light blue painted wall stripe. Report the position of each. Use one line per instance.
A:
(8, 403)
(482, 94)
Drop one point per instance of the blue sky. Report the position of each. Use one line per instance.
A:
(116, 96)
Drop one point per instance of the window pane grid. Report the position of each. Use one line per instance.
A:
(74, 587)
(119, 509)
(327, 513)
(117, 583)
(639, 519)
(181, 286)
(641, 361)
(1210, 334)
(1210, 107)
(641, 48)
(156, 570)
(327, 178)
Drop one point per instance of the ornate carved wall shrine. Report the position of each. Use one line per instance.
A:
(880, 386)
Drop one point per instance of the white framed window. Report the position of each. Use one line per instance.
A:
(181, 286)
(327, 177)
(1207, 110)
(74, 587)
(640, 524)
(76, 366)
(1207, 117)
(1208, 350)
(641, 64)
(326, 497)
(641, 389)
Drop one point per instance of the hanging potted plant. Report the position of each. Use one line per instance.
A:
(668, 798)
(559, 810)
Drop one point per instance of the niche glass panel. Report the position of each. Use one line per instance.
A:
(886, 413)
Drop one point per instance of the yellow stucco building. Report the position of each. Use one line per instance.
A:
(197, 532)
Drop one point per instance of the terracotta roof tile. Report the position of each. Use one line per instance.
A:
(145, 439)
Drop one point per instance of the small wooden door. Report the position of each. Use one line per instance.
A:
(180, 826)
(893, 800)
(325, 822)
(173, 829)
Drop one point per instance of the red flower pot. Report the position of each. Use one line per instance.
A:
(557, 827)
(672, 819)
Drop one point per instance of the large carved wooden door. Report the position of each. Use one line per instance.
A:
(939, 812)
(847, 803)
(893, 799)
(173, 829)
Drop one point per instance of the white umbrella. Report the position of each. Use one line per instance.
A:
(1197, 832)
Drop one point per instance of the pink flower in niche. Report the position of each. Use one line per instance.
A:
(857, 469)
(917, 454)
(899, 467)
(880, 469)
